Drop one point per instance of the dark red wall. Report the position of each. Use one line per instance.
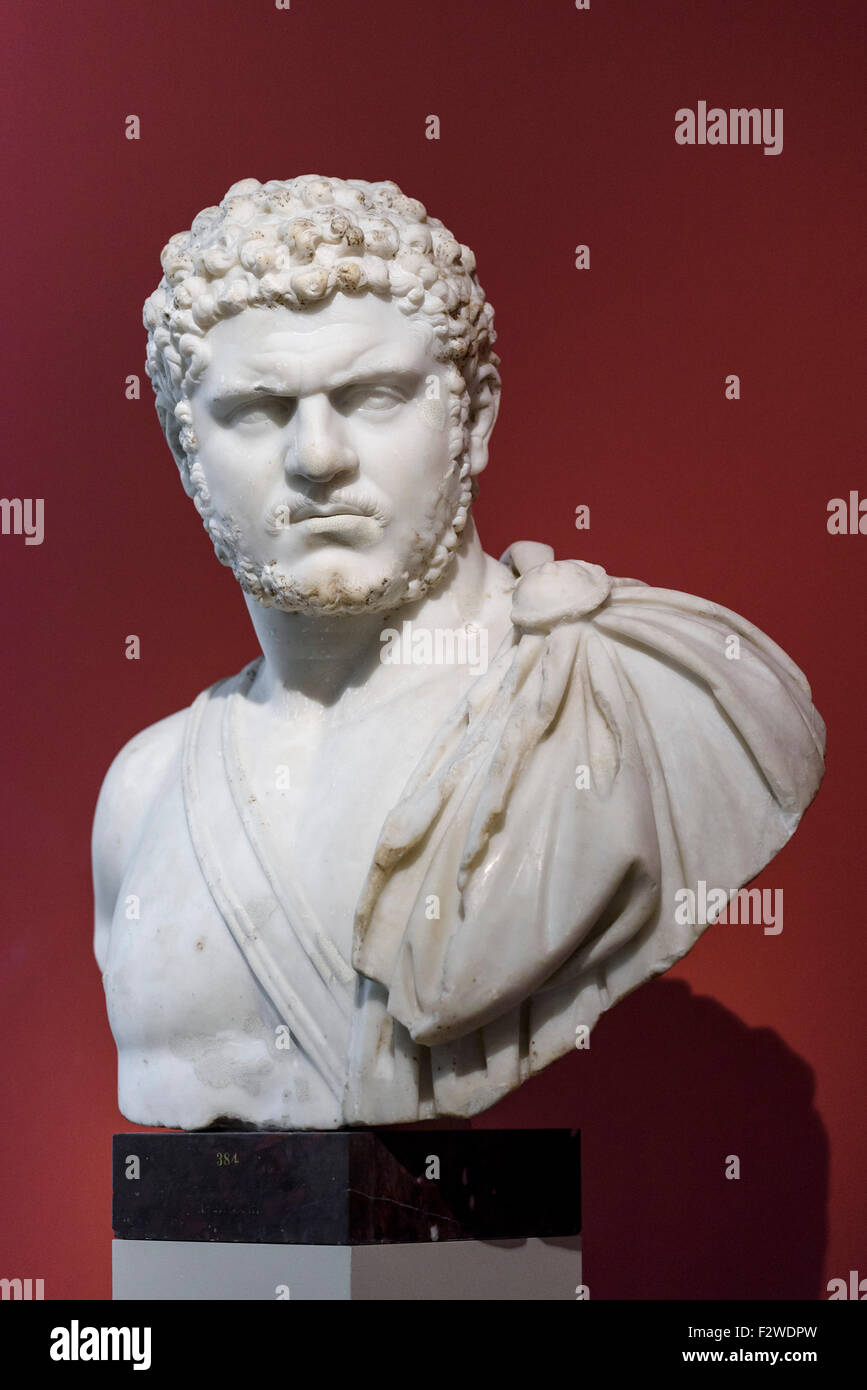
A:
(557, 128)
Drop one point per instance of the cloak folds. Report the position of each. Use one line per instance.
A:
(515, 894)
(622, 745)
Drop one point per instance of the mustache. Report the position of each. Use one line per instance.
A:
(282, 514)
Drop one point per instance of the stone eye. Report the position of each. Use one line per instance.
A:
(372, 398)
(270, 410)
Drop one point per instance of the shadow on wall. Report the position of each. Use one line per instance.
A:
(673, 1084)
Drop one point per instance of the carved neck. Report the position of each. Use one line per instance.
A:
(321, 657)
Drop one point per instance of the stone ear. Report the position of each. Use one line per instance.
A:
(484, 406)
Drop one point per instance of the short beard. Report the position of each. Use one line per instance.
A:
(437, 542)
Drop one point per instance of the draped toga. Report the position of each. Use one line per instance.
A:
(625, 742)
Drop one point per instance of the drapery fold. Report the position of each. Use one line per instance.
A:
(625, 742)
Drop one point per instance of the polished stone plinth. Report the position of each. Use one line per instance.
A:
(348, 1214)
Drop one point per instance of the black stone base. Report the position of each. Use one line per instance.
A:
(347, 1187)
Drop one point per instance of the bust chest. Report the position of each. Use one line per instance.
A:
(323, 790)
(183, 1002)
(197, 1038)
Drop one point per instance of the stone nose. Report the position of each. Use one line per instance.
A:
(318, 448)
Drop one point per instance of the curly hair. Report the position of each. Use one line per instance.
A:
(296, 243)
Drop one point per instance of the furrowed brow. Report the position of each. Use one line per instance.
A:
(365, 376)
(273, 386)
(237, 390)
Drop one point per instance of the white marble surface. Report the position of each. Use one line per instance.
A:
(342, 888)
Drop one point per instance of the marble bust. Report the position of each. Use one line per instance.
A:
(404, 859)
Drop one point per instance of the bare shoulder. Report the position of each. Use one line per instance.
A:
(126, 796)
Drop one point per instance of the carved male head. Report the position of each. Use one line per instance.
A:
(322, 357)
